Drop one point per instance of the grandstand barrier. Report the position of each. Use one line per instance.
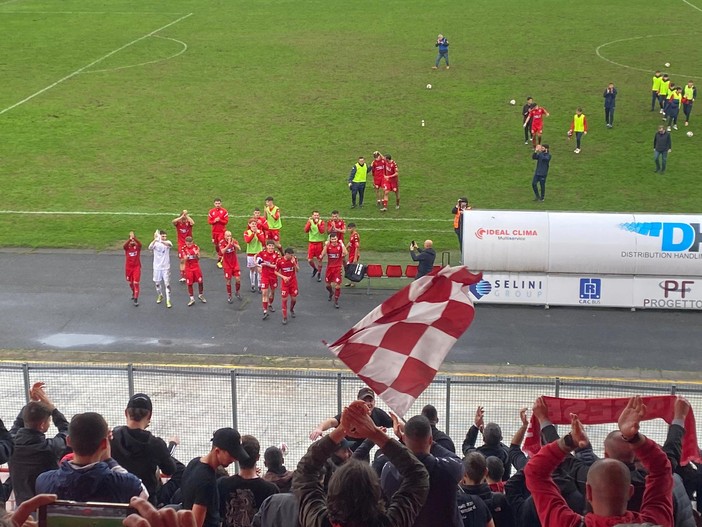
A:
(650, 261)
(285, 405)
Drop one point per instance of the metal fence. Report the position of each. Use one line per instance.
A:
(285, 405)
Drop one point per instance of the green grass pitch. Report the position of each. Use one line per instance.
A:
(245, 99)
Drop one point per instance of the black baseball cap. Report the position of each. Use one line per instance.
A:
(140, 400)
(365, 392)
(230, 440)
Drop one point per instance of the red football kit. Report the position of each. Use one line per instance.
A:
(230, 263)
(353, 248)
(288, 269)
(191, 255)
(378, 167)
(183, 229)
(314, 249)
(337, 225)
(218, 227)
(335, 259)
(269, 280)
(390, 183)
(132, 260)
(537, 119)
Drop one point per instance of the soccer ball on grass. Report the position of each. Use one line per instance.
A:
(513, 102)
(690, 134)
(428, 86)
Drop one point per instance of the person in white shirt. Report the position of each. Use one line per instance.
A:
(161, 247)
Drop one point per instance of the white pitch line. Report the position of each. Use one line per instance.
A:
(85, 12)
(80, 70)
(155, 61)
(174, 214)
(8, 2)
(693, 5)
(598, 48)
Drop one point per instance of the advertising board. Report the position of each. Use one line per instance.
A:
(511, 288)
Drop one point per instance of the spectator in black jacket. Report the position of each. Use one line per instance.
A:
(140, 452)
(492, 438)
(473, 483)
(440, 438)
(662, 144)
(35, 453)
(425, 257)
(7, 446)
(543, 159)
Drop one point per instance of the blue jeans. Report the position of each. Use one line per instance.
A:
(443, 54)
(578, 138)
(357, 189)
(541, 180)
(664, 157)
(609, 116)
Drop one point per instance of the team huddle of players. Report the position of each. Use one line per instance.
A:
(266, 260)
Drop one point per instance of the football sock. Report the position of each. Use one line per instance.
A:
(229, 288)
(201, 287)
(190, 290)
(337, 293)
(265, 306)
(292, 304)
(237, 286)
(312, 264)
(168, 293)
(284, 302)
(158, 287)
(136, 290)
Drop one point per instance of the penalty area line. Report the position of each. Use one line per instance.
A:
(97, 61)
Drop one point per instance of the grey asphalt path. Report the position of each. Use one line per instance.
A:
(78, 301)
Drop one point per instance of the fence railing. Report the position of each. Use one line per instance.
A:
(285, 405)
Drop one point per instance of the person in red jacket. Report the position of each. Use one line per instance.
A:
(378, 168)
(608, 487)
(132, 265)
(286, 268)
(228, 248)
(315, 228)
(191, 254)
(266, 261)
(336, 253)
(390, 184)
(218, 217)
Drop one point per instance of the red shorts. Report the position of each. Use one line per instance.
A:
(378, 181)
(314, 249)
(333, 275)
(231, 271)
(289, 288)
(537, 128)
(273, 234)
(133, 275)
(193, 275)
(180, 247)
(216, 238)
(269, 282)
(390, 185)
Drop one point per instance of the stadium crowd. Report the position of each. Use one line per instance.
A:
(416, 478)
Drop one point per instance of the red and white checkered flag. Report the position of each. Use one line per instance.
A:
(399, 346)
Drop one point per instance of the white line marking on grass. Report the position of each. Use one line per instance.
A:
(598, 48)
(183, 50)
(693, 5)
(174, 214)
(8, 2)
(80, 70)
(85, 12)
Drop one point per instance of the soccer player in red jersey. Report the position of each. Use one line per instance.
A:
(184, 227)
(132, 265)
(274, 223)
(261, 223)
(378, 168)
(315, 228)
(218, 217)
(335, 253)
(230, 263)
(267, 260)
(191, 254)
(390, 184)
(337, 224)
(287, 268)
(536, 116)
(354, 248)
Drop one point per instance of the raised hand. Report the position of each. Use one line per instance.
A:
(523, 416)
(540, 410)
(397, 426)
(577, 432)
(681, 408)
(631, 417)
(478, 420)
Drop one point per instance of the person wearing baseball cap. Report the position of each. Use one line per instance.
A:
(378, 416)
(199, 483)
(138, 450)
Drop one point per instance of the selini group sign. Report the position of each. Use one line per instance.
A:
(561, 258)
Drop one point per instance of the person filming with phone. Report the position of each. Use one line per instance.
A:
(425, 257)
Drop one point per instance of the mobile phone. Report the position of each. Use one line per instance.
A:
(83, 514)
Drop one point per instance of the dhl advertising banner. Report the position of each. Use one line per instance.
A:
(588, 259)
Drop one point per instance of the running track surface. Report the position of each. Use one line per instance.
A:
(73, 301)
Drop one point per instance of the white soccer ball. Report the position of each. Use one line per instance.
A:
(690, 134)
(667, 64)
(513, 102)
(428, 86)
